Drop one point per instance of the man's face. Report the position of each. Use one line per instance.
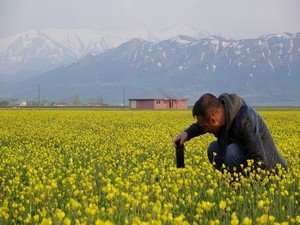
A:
(209, 124)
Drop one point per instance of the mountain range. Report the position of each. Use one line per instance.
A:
(37, 51)
(263, 70)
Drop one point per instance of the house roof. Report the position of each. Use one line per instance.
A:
(156, 94)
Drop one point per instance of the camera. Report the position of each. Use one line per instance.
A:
(179, 155)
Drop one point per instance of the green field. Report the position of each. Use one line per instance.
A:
(118, 167)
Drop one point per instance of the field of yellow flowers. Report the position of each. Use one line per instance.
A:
(118, 167)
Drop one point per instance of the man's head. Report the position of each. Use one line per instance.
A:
(210, 113)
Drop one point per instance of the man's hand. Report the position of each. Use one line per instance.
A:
(181, 138)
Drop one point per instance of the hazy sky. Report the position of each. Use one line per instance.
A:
(239, 18)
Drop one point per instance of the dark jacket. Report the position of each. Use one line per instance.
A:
(246, 128)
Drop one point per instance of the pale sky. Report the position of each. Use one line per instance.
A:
(231, 18)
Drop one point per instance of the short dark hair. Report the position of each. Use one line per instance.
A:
(204, 103)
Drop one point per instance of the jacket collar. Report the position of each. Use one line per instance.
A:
(232, 104)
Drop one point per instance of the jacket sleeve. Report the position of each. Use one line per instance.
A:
(194, 130)
(252, 141)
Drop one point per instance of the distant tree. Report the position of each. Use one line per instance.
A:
(75, 101)
(4, 103)
(95, 102)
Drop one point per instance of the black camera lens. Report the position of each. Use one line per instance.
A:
(180, 155)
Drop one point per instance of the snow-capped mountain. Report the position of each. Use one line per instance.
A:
(33, 52)
(263, 70)
(174, 30)
(37, 51)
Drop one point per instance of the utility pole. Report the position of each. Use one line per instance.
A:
(39, 97)
(124, 97)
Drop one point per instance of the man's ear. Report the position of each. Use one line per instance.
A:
(212, 120)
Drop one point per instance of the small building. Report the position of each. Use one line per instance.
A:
(61, 104)
(20, 103)
(157, 99)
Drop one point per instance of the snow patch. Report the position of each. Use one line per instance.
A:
(215, 44)
(214, 67)
(180, 41)
(271, 65)
(194, 43)
(282, 36)
(291, 46)
(202, 56)
(225, 44)
(237, 52)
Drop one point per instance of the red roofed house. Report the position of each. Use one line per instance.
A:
(157, 99)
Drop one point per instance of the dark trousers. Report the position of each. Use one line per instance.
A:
(232, 157)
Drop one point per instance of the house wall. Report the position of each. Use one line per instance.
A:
(144, 104)
(180, 104)
(161, 104)
(158, 104)
(132, 104)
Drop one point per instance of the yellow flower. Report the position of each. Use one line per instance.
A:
(179, 218)
(59, 214)
(260, 204)
(36, 217)
(222, 204)
(46, 221)
(101, 222)
(298, 219)
(214, 222)
(210, 192)
(247, 221)
(206, 205)
(234, 219)
(67, 221)
(28, 219)
(91, 210)
(271, 218)
(262, 219)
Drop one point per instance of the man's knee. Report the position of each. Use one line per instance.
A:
(234, 156)
(213, 147)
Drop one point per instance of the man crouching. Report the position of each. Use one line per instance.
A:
(241, 133)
